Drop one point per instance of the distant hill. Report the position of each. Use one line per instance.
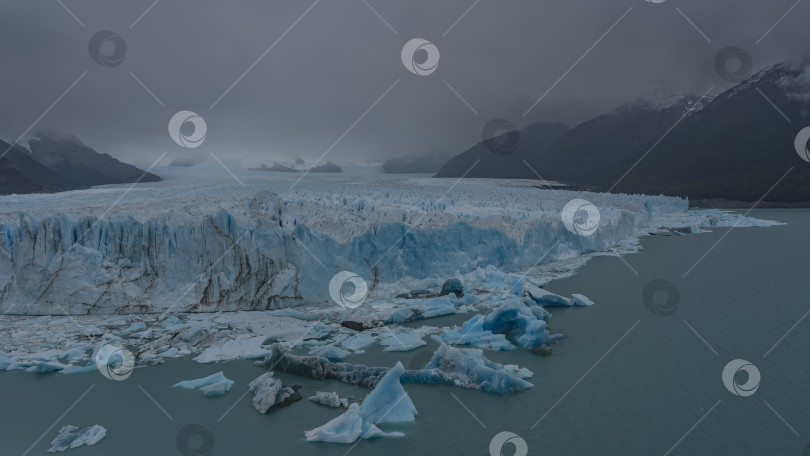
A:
(533, 141)
(13, 181)
(733, 147)
(57, 163)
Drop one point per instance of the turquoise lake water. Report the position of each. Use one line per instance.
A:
(625, 381)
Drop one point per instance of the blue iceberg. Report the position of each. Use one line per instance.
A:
(388, 403)
(73, 437)
(213, 385)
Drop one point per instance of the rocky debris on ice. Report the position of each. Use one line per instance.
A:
(268, 392)
(211, 386)
(387, 403)
(73, 437)
(465, 368)
(329, 399)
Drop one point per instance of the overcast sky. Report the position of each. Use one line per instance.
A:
(340, 58)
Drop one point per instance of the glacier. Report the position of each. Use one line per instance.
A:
(224, 272)
(186, 248)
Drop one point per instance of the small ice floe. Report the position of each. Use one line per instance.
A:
(546, 298)
(73, 437)
(403, 341)
(387, 403)
(549, 299)
(211, 386)
(581, 300)
(268, 392)
(358, 341)
(243, 346)
(329, 399)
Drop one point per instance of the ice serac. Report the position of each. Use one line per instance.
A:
(225, 249)
(387, 403)
(73, 437)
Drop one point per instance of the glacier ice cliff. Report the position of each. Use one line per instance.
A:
(184, 248)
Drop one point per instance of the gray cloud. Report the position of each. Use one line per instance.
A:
(332, 66)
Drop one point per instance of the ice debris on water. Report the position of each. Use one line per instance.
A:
(329, 399)
(211, 386)
(73, 437)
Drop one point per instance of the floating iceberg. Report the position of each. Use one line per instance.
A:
(329, 399)
(581, 300)
(348, 428)
(468, 368)
(546, 298)
(213, 385)
(387, 403)
(517, 318)
(268, 392)
(472, 333)
(465, 368)
(73, 437)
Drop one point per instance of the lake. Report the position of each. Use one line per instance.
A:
(629, 379)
